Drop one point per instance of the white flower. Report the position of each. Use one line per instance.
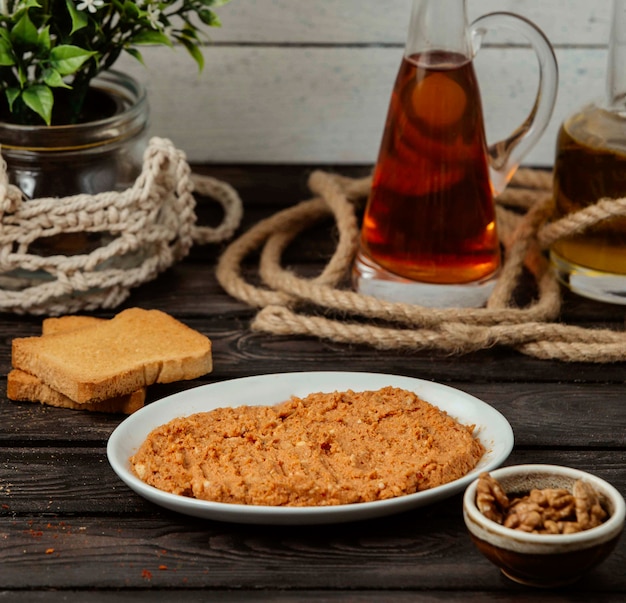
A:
(91, 5)
(153, 17)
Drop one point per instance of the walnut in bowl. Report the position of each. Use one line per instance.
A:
(543, 525)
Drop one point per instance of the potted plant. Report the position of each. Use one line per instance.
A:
(58, 88)
(70, 124)
(45, 42)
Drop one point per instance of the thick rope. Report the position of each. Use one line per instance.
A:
(291, 305)
(145, 230)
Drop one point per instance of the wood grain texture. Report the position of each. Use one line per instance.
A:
(71, 530)
(78, 480)
(535, 410)
(237, 349)
(410, 551)
(299, 596)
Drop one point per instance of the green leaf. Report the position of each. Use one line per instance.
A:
(22, 7)
(26, 4)
(151, 36)
(209, 18)
(44, 38)
(24, 32)
(194, 51)
(54, 79)
(79, 18)
(22, 74)
(40, 99)
(131, 10)
(6, 54)
(68, 59)
(133, 52)
(12, 95)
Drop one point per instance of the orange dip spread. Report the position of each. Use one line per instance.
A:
(325, 449)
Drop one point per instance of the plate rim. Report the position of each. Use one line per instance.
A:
(308, 515)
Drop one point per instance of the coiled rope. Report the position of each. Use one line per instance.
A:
(146, 228)
(320, 307)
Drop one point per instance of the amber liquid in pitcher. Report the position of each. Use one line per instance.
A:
(430, 216)
(586, 170)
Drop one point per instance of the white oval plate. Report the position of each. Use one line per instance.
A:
(492, 429)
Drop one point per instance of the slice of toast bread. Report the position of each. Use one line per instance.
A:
(134, 349)
(27, 388)
(24, 387)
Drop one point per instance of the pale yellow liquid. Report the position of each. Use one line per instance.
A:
(590, 165)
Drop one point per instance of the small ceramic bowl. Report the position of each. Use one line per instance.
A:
(539, 559)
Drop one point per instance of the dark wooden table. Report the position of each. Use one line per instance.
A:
(71, 530)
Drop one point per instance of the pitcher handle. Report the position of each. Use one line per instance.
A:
(506, 155)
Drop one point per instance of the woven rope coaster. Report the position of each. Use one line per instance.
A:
(321, 307)
(148, 228)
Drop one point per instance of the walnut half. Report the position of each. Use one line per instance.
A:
(491, 499)
(546, 511)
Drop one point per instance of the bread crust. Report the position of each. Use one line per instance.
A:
(27, 388)
(134, 349)
(23, 387)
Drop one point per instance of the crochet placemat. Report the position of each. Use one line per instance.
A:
(322, 307)
(148, 227)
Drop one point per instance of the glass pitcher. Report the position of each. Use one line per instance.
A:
(590, 165)
(429, 232)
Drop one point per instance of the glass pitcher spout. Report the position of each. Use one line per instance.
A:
(429, 230)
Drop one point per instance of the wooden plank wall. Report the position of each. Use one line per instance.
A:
(295, 81)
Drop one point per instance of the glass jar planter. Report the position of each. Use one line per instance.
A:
(102, 153)
(90, 157)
